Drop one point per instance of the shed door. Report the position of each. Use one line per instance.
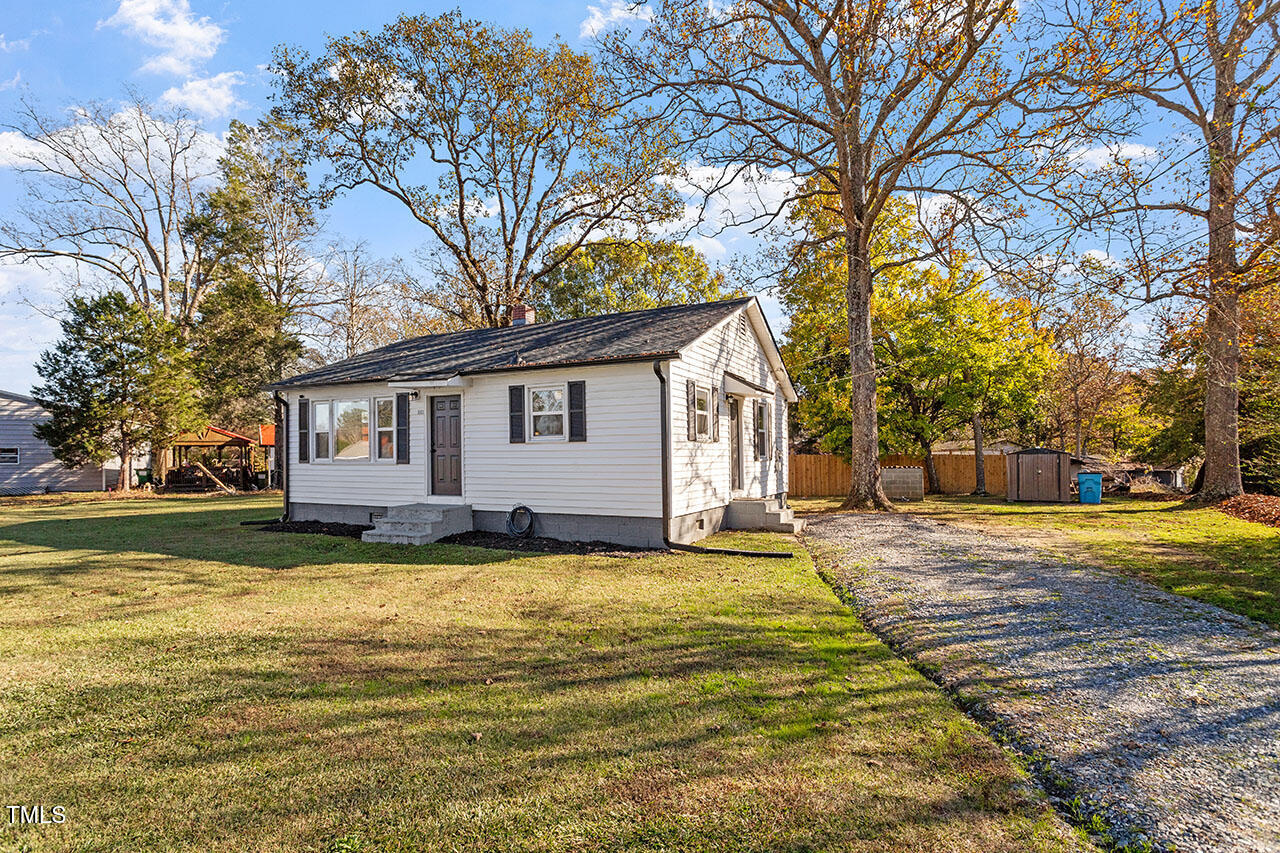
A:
(1038, 477)
(446, 445)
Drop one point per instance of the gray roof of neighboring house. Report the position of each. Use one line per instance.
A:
(21, 398)
(629, 336)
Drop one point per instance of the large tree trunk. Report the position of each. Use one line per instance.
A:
(1222, 397)
(1222, 319)
(124, 478)
(979, 460)
(865, 491)
(930, 469)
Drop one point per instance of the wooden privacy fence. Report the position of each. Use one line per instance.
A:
(818, 475)
(815, 475)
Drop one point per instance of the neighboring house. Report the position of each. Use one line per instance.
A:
(27, 464)
(964, 447)
(636, 428)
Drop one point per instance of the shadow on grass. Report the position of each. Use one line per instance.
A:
(216, 535)
(510, 732)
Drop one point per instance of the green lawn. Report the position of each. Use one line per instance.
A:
(1185, 547)
(177, 681)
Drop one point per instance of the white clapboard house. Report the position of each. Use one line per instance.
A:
(27, 464)
(637, 428)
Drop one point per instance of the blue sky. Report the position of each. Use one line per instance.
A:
(209, 57)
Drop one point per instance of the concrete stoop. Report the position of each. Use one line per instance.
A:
(418, 524)
(761, 514)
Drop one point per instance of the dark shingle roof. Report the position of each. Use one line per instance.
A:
(628, 336)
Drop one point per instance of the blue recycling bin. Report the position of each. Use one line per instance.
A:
(1090, 488)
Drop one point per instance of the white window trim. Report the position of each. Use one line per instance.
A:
(563, 388)
(316, 457)
(698, 392)
(375, 439)
(17, 456)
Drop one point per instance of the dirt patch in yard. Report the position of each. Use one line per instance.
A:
(1264, 509)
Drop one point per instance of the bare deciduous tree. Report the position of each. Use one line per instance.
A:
(1193, 212)
(360, 309)
(109, 190)
(859, 102)
(500, 148)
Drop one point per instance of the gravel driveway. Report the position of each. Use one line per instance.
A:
(1162, 712)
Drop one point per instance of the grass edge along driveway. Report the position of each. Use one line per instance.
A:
(176, 681)
(1182, 546)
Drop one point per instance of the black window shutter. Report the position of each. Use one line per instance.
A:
(766, 429)
(304, 429)
(714, 406)
(759, 430)
(402, 429)
(692, 390)
(577, 411)
(515, 399)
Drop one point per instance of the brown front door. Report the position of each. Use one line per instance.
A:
(446, 445)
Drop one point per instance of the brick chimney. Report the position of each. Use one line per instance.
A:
(523, 315)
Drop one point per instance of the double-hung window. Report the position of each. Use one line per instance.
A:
(386, 427)
(321, 428)
(762, 429)
(546, 412)
(702, 411)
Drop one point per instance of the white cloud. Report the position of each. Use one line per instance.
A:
(184, 40)
(15, 149)
(211, 97)
(1102, 156)
(11, 83)
(611, 13)
(10, 46)
(28, 330)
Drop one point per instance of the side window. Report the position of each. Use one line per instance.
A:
(702, 411)
(320, 422)
(386, 427)
(9, 456)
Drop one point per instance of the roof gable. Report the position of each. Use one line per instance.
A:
(627, 336)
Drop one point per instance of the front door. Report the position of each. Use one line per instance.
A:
(446, 445)
(735, 444)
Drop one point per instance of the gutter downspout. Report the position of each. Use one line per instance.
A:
(282, 450)
(665, 419)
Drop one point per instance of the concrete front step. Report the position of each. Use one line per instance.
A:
(418, 524)
(761, 514)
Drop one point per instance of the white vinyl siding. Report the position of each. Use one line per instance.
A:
(700, 469)
(616, 471)
(36, 469)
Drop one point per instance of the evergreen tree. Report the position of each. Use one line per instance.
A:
(118, 381)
